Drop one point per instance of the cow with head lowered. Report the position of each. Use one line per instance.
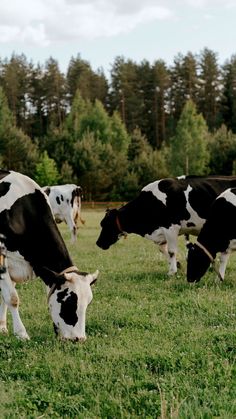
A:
(65, 201)
(34, 245)
(217, 235)
(165, 209)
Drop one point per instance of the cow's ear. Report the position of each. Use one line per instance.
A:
(93, 277)
(50, 277)
(47, 191)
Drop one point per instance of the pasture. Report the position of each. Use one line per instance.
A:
(156, 347)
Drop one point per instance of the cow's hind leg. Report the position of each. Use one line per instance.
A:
(3, 317)
(11, 301)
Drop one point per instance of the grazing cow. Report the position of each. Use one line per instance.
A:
(35, 246)
(217, 235)
(65, 201)
(163, 210)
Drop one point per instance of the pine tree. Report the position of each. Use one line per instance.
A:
(222, 149)
(188, 148)
(46, 172)
(229, 94)
(210, 89)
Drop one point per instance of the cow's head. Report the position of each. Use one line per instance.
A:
(197, 263)
(111, 230)
(68, 298)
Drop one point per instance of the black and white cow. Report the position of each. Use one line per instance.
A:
(163, 210)
(217, 235)
(65, 201)
(35, 246)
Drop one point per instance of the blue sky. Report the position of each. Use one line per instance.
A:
(100, 30)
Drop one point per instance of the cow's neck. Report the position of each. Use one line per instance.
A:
(210, 243)
(132, 218)
(48, 250)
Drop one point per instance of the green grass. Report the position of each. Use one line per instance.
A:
(157, 347)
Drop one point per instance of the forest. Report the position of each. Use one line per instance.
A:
(112, 135)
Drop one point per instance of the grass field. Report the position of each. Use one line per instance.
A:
(156, 348)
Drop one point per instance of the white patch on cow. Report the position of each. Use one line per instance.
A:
(18, 188)
(19, 269)
(170, 236)
(232, 245)
(157, 236)
(154, 188)
(228, 196)
(181, 177)
(194, 217)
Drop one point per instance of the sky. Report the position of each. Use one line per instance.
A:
(101, 30)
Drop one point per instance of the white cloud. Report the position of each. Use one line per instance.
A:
(211, 3)
(44, 22)
(47, 21)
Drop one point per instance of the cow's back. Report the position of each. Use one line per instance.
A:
(28, 224)
(204, 190)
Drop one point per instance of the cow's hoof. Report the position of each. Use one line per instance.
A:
(23, 335)
(172, 273)
(3, 330)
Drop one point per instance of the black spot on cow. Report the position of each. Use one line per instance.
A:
(68, 307)
(233, 190)
(3, 173)
(191, 225)
(56, 329)
(75, 193)
(62, 198)
(58, 200)
(4, 188)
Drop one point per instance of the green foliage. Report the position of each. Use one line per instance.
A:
(96, 121)
(17, 151)
(228, 102)
(6, 118)
(92, 85)
(222, 150)
(59, 145)
(66, 173)
(156, 346)
(210, 89)
(57, 112)
(188, 148)
(79, 109)
(98, 167)
(46, 172)
(144, 162)
(119, 137)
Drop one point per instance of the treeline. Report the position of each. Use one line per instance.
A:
(114, 136)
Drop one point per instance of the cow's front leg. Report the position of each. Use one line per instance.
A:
(11, 300)
(171, 235)
(223, 263)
